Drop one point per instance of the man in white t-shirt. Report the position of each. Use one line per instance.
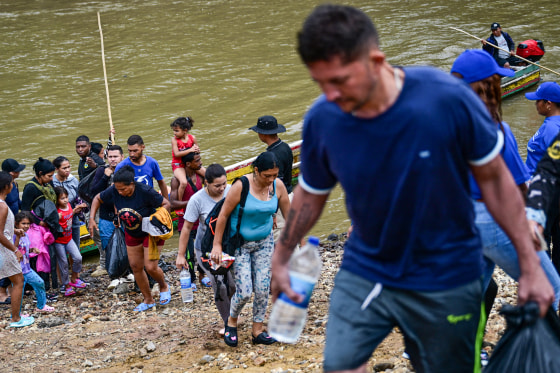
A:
(502, 40)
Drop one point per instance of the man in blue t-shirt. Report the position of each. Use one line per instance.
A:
(401, 142)
(145, 167)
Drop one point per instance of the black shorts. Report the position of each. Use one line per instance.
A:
(441, 329)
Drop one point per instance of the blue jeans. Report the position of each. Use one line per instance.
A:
(106, 228)
(33, 279)
(498, 249)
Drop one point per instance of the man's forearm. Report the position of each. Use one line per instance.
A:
(305, 210)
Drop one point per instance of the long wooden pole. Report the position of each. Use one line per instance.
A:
(495, 46)
(106, 84)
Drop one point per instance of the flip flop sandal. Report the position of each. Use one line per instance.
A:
(143, 307)
(263, 339)
(230, 336)
(23, 321)
(45, 309)
(164, 297)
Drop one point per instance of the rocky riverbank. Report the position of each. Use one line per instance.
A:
(97, 331)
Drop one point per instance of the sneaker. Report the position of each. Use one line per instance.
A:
(114, 284)
(69, 292)
(78, 284)
(52, 297)
(129, 278)
(100, 271)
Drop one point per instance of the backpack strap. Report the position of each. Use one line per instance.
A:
(244, 194)
(193, 185)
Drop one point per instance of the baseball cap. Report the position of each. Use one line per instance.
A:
(549, 91)
(494, 26)
(476, 64)
(11, 165)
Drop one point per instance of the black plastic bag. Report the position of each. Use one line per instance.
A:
(116, 257)
(530, 344)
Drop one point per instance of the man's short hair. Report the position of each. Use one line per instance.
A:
(115, 147)
(189, 157)
(135, 140)
(336, 30)
(96, 147)
(83, 138)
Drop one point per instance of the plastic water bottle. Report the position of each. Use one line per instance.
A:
(287, 318)
(186, 290)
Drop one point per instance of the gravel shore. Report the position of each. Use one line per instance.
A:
(96, 330)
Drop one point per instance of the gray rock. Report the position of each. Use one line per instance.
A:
(150, 346)
(333, 237)
(87, 363)
(50, 322)
(121, 289)
(142, 352)
(205, 359)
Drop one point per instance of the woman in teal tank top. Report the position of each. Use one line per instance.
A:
(251, 269)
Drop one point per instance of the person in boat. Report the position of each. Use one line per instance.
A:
(145, 167)
(102, 180)
(195, 182)
(414, 257)
(268, 129)
(483, 74)
(503, 40)
(543, 145)
(135, 201)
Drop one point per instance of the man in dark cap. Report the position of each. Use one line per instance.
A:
(502, 40)
(12, 167)
(268, 129)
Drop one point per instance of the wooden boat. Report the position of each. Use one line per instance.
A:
(86, 242)
(523, 79)
(244, 167)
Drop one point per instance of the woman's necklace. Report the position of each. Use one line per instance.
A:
(265, 191)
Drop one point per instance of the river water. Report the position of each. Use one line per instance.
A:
(225, 63)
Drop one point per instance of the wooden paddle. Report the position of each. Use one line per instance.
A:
(495, 46)
(106, 84)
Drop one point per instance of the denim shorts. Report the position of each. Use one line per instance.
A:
(442, 329)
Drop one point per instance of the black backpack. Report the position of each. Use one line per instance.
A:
(229, 242)
(84, 187)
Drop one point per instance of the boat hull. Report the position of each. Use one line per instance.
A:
(522, 80)
(245, 167)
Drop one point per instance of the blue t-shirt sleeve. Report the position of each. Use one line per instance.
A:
(316, 177)
(156, 172)
(511, 156)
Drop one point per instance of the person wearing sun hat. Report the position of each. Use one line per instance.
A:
(484, 74)
(268, 129)
(547, 98)
(12, 167)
